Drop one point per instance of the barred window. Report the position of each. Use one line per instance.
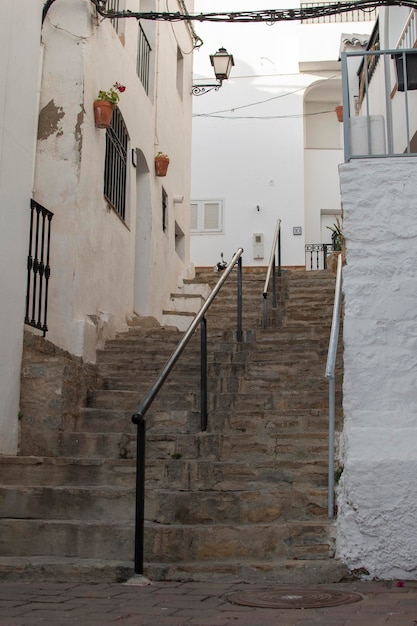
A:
(143, 58)
(115, 168)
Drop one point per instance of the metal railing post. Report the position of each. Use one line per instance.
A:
(239, 300)
(140, 493)
(330, 499)
(276, 249)
(274, 285)
(279, 252)
(330, 377)
(203, 374)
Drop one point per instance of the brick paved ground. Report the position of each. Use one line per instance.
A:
(195, 604)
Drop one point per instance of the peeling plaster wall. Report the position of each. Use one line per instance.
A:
(19, 71)
(104, 269)
(377, 500)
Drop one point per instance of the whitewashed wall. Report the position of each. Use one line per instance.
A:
(249, 142)
(377, 499)
(19, 81)
(103, 268)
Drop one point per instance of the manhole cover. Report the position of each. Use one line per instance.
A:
(293, 598)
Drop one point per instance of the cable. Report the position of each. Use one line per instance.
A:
(269, 16)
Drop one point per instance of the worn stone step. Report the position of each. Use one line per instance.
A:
(31, 470)
(225, 542)
(219, 446)
(249, 507)
(279, 571)
(67, 538)
(236, 475)
(75, 570)
(86, 503)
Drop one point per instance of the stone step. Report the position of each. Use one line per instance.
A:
(161, 506)
(206, 445)
(67, 538)
(64, 570)
(100, 420)
(71, 471)
(224, 542)
(248, 507)
(86, 503)
(278, 571)
(172, 542)
(175, 473)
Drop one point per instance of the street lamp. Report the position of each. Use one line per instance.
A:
(222, 63)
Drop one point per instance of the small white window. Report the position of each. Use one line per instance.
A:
(206, 216)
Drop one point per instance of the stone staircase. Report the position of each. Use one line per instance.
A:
(244, 500)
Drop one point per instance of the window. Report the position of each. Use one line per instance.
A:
(206, 216)
(164, 210)
(143, 58)
(115, 168)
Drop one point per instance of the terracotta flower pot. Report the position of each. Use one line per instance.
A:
(103, 110)
(161, 165)
(339, 113)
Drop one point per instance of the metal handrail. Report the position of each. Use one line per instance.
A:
(275, 251)
(330, 377)
(139, 418)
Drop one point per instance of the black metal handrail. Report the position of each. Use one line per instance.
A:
(138, 417)
(275, 256)
(38, 269)
(316, 255)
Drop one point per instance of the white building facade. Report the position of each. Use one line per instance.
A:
(377, 498)
(267, 145)
(119, 244)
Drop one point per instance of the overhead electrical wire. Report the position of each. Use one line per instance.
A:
(269, 16)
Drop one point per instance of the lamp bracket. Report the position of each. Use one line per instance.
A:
(199, 90)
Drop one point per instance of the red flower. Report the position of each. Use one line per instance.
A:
(120, 87)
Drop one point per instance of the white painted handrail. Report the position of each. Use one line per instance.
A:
(330, 377)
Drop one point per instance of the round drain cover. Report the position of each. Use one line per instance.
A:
(293, 598)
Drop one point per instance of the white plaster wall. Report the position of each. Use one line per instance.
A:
(104, 268)
(377, 498)
(248, 155)
(248, 137)
(19, 73)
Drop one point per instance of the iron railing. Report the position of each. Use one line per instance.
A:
(356, 15)
(379, 103)
(316, 255)
(139, 418)
(38, 269)
(143, 58)
(330, 377)
(274, 268)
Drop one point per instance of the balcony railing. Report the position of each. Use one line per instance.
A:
(356, 15)
(380, 103)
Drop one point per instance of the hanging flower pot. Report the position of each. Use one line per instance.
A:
(105, 103)
(339, 113)
(103, 110)
(161, 164)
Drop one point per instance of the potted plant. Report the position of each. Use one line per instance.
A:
(339, 112)
(105, 103)
(161, 164)
(339, 247)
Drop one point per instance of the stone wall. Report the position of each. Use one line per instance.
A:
(54, 386)
(377, 498)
